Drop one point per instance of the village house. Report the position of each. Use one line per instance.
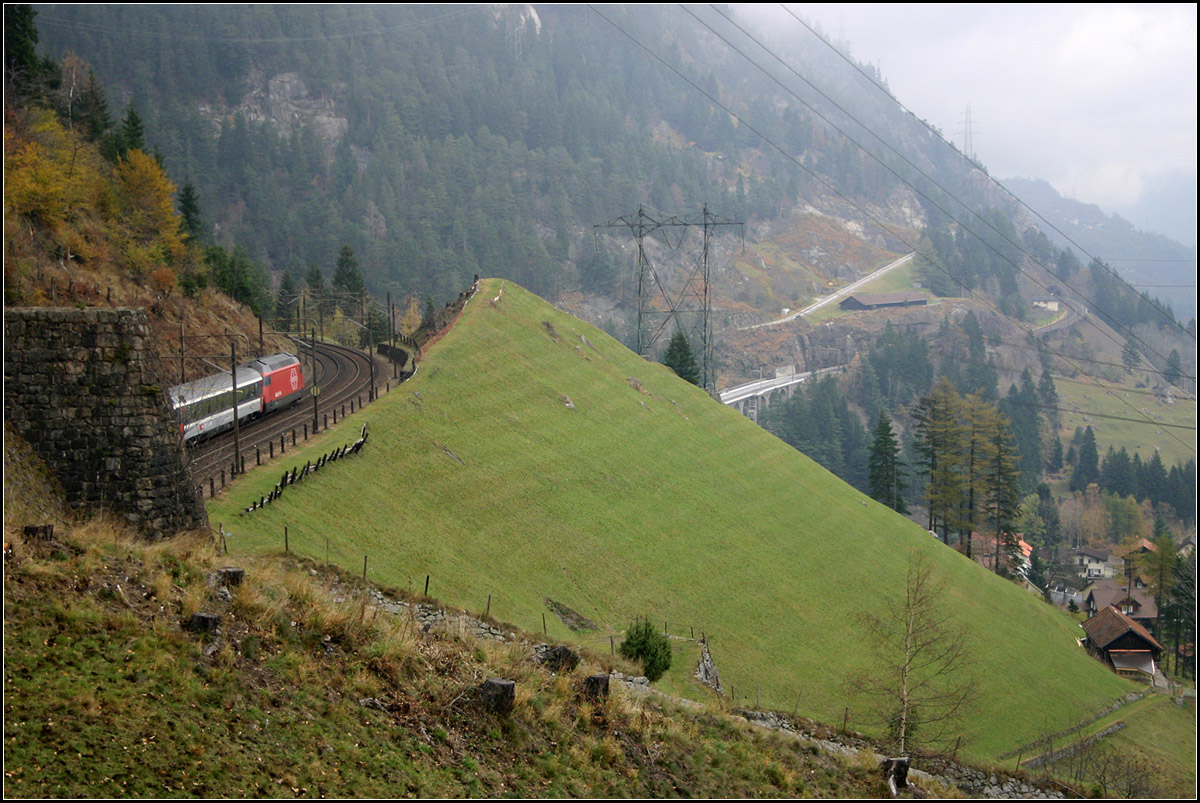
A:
(1095, 563)
(1017, 561)
(1136, 602)
(1122, 643)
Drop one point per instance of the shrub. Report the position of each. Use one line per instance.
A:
(651, 649)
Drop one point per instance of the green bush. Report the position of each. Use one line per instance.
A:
(651, 649)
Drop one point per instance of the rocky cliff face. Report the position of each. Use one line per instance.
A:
(285, 100)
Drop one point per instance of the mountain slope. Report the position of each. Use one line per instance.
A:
(1164, 267)
(643, 496)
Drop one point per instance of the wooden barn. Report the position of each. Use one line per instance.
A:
(865, 301)
(1122, 643)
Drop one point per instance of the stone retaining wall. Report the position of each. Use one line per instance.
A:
(82, 387)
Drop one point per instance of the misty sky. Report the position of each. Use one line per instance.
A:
(1099, 100)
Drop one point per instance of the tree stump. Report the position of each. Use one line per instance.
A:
(203, 622)
(231, 576)
(895, 771)
(559, 659)
(498, 695)
(39, 532)
(595, 687)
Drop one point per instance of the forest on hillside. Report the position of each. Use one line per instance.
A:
(440, 142)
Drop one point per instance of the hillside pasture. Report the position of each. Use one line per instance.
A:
(533, 457)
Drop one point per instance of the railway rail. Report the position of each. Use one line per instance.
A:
(343, 376)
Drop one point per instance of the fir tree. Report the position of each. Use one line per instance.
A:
(1001, 482)
(1130, 355)
(347, 279)
(680, 359)
(1174, 370)
(1048, 396)
(190, 223)
(1087, 463)
(939, 443)
(129, 136)
(886, 469)
(285, 302)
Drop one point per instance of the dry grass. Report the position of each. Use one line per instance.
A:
(329, 692)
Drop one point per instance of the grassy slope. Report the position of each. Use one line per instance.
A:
(306, 691)
(1173, 444)
(662, 503)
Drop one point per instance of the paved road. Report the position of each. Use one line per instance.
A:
(838, 295)
(1067, 319)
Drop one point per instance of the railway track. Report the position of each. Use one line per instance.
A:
(344, 378)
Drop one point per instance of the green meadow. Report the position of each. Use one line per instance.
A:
(534, 458)
(1137, 418)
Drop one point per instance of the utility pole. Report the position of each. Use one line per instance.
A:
(315, 389)
(237, 432)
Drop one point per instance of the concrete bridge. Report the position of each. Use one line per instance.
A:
(753, 396)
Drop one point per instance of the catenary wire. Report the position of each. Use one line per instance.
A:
(716, 102)
(1004, 189)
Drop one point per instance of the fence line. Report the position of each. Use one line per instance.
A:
(297, 475)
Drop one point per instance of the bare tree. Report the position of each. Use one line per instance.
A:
(922, 685)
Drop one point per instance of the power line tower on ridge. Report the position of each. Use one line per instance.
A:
(968, 136)
(660, 302)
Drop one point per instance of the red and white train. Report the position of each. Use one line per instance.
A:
(208, 406)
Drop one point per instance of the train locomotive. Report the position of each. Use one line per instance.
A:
(210, 405)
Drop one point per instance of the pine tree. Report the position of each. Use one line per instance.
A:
(347, 279)
(1159, 565)
(939, 445)
(1021, 407)
(93, 108)
(285, 302)
(1048, 396)
(1002, 476)
(1174, 370)
(25, 75)
(314, 285)
(190, 224)
(1054, 463)
(129, 136)
(1130, 355)
(680, 359)
(886, 469)
(1087, 463)
(981, 422)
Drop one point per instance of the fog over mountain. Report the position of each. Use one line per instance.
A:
(1150, 261)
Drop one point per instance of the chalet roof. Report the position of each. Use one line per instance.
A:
(1140, 546)
(1097, 554)
(986, 542)
(1110, 624)
(1104, 593)
(899, 297)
